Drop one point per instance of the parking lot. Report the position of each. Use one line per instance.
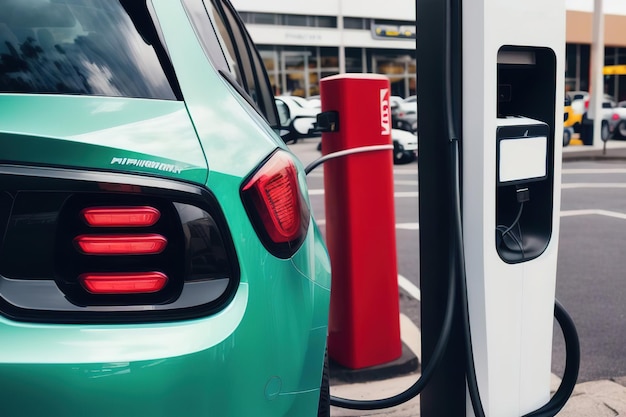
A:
(590, 277)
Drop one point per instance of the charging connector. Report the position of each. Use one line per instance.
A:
(523, 194)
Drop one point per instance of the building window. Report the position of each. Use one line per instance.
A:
(288, 20)
(260, 18)
(295, 20)
(614, 84)
(400, 68)
(571, 68)
(354, 60)
(395, 22)
(585, 64)
(355, 23)
(298, 70)
(326, 21)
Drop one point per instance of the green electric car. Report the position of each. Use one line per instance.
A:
(158, 256)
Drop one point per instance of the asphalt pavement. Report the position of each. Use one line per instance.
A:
(614, 149)
(603, 398)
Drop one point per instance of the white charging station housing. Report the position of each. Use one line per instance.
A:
(513, 82)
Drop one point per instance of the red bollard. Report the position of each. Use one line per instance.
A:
(364, 327)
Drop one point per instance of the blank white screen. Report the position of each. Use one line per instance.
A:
(523, 158)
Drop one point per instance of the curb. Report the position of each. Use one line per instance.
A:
(611, 153)
(406, 364)
(591, 156)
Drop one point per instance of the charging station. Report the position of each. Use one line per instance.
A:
(513, 65)
(490, 87)
(506, 77)
(364, 322)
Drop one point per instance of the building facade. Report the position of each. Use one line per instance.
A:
(578, 36)
(302, 42)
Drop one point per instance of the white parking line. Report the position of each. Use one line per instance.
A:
(594, 171)
(409, 331)
(576, 185)
(411, 335)
(607, 213)
(406, 182)
(407, 171)
(405, 194)
(409, 287)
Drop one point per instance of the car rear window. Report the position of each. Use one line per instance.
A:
(86, 47)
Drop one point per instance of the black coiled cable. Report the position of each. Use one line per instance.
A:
(456, 258)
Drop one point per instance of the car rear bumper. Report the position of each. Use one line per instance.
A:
(224, 365)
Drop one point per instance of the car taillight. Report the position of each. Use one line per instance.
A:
(85, 247)
(120, 216)
(123, 283)
(615, 116)
(138, 244)
(275, 205)
(121, 232)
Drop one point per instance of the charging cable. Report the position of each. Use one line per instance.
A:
(442, 342)
(457, 276)
(523, 195)
(456, 257)
(345, 152)
(572, 344)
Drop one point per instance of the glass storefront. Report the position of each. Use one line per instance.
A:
(401, 72)
(577, 71)
(615, 85)
(577, 61)
(297, 71)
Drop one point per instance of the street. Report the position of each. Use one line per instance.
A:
(590, 277)
(590, 280)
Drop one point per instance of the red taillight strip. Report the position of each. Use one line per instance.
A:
(274, 192)
(123, 282)
(146, 244)
(143, 216)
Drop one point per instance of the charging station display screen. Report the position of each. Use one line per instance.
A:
(522, 159)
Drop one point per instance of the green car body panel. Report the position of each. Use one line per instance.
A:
(261, 354)
(103, 133)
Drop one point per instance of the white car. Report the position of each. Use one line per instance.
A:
(405, 107)
(404, 146)
(578, 99)
(611, 116)
(395, 102)
(297, 115)
(314, 102)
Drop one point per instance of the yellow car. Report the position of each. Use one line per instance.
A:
(572, 118)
